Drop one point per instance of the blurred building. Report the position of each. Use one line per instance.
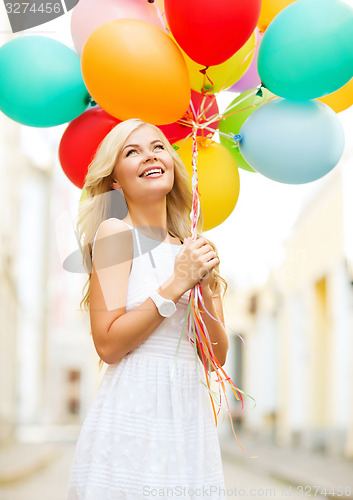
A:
(11, 168)
(48, 365)
(298, 330)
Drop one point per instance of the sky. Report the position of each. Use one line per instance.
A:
(250, 240)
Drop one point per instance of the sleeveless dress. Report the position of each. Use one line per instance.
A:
(150, 430)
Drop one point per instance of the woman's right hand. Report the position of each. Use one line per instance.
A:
(195, 259)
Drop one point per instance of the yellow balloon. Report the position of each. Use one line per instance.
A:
(220, 76)
(218, 179)
(341, 99)
(269, 10)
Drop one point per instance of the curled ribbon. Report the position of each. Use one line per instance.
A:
(197, 330)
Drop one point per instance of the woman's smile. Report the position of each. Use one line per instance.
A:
(152, 173)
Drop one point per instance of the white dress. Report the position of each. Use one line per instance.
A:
(150, 430)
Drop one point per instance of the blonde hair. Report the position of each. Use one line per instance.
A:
(98, 207)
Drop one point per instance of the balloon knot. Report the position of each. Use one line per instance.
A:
(92, 102)
(189, 116)
(237, 138)
(260, 89)
(203, 71)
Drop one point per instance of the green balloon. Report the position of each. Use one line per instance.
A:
(232, 123)
(307, 50)
(41, 82)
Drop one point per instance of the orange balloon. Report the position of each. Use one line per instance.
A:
(132, 69)
(218, 179)
(341, 99)
(269, 10)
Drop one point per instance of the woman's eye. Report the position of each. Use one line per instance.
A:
(131, 151)
(159, 146)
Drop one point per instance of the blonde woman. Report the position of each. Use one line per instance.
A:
(150, 430)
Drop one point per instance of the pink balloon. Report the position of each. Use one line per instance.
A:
(88, 15)
(251, 78)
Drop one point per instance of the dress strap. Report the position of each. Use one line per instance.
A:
(137, 236)
(93, 242)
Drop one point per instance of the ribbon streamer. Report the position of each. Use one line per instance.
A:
(197, 330)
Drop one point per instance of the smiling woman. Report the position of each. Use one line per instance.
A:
(151, 420)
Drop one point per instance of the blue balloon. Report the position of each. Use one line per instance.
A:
(307, 50)
(41, 83)
(293, 142)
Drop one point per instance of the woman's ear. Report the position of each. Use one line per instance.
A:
(115, 185)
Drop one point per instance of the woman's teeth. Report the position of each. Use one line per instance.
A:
(153, 173)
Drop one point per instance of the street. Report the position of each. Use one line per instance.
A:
(276, 473)
(50, 483)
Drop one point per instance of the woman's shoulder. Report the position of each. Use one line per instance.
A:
(112, 225)
(108, 229)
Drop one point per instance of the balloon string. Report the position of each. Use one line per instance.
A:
(194, 119)
(160, 15)
(195, 123)
(193, 109)
(197, 330)
(243, 109)
(199, 118)
(243, 99)
(223, 134)
(216, 117)
(203, 71)
(204, 110)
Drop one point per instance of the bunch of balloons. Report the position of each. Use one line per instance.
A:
(164, 61)
(306, 59)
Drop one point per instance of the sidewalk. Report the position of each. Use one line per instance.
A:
(20, 460)
(293, 465)
(36, 447)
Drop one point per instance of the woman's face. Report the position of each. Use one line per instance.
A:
(143, 151)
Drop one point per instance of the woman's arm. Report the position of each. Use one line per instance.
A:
(116, 332)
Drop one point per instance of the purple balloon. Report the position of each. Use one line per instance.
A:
(251, 78)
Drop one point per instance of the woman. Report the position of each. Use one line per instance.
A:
(150, 430)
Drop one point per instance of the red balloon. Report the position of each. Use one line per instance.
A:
(210, 31)
(201, 109)
(80, 142)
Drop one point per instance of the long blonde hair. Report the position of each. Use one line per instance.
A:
(97, 207)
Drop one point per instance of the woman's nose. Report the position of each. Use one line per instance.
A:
(150, 156)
